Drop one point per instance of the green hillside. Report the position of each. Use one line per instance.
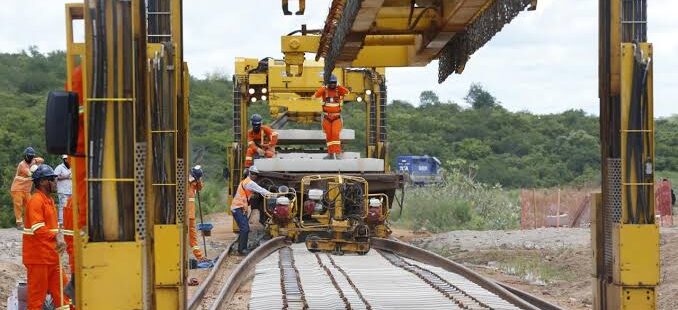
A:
(478, 136)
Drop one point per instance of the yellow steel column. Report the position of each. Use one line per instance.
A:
(626, 256)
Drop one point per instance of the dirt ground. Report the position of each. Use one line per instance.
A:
(554, 264)
(11, 268)
(222, 236)
(13, 271)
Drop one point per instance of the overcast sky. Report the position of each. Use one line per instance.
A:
(545, 61)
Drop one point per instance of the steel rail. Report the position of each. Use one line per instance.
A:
(196, 300)
(433, 259)
(239, 275)
(514, 296)
(538, 302)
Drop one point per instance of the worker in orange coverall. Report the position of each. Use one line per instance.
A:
(195, 185)
(21, 186)
(261, 141)
(43, 242)
(333, 97)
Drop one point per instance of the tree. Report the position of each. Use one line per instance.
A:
(479, 98)
(428, 98)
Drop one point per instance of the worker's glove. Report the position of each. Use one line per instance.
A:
(61, 244)
(61, 247)
(32, 169)
(60, 237)
(260, 151)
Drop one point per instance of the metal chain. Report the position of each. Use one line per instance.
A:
(456, 53)
(342, 28)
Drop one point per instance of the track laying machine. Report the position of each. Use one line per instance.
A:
(129, 137)
(329, 202)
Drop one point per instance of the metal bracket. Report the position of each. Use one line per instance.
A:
(286, 7)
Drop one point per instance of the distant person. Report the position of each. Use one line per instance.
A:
(664, 200)
(21, 186)
(332, 96)
(64, 184)
(43, 243)
(261, 141)
(240, 206)
(195, 184)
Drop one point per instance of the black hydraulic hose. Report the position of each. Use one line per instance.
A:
(636, 145)
(98, 117)
(126, 127)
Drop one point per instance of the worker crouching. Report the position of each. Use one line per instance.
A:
(261, 141)
(43, 242)
(240, 207)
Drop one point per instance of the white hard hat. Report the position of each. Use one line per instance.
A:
(375, 202)
(282, 200)
(64, 156)
(254, 170)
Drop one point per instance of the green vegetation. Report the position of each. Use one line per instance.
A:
(25, 79)
(490, 144)
(461, 203)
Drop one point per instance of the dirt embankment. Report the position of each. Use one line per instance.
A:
(554, 264)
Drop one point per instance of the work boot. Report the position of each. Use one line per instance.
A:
(243, 252)
(329, 156)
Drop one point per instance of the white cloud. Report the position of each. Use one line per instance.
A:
(545, 61)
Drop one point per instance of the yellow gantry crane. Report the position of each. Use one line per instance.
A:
(131, 247)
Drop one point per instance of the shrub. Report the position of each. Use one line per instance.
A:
(462, 203)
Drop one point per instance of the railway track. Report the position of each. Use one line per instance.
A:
(394, 275)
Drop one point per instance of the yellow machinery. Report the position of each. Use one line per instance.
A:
(337, 221)
(287, 87)
(131, 252)
(625, 237)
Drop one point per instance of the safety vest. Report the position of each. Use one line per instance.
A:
(39, 235)
(242, 195)
(332, 98)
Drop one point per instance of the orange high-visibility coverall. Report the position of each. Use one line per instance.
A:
(266, 141)
(21, 187)
(332, 124)
(68, 232)
(78, 162)
(194, 187)
(39, 251)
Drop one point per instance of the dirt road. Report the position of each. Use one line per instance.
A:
(554, 264)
